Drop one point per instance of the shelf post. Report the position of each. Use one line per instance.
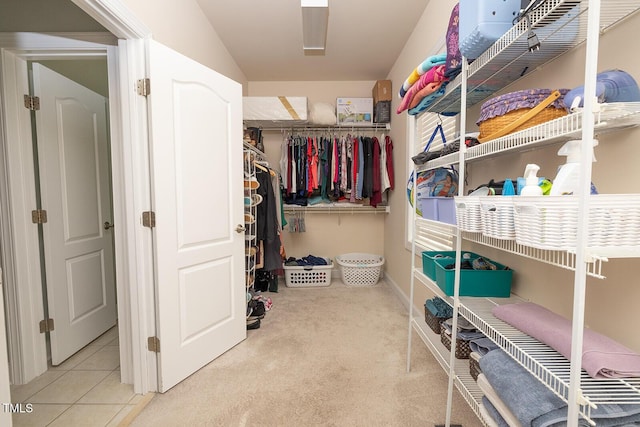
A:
(579, 290)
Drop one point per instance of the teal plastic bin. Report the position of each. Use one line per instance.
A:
(428, 257)
(475, 283)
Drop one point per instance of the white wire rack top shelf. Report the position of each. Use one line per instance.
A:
(560, 26)
(337, 208)
(546, 364)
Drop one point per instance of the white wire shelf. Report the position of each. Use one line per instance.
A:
(328, 208)
(614, 116)
(439, 236)
(560, 25)
(463, 380)
(563, 259)
(611, 117)
(549, 366)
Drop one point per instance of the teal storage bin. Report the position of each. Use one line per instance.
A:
(428, 257)
(475, 283)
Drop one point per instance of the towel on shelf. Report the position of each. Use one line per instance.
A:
(505, 416)
(439, 308)
(482, 345)
(424, 66)
(490, 414)
(433, 75)
(601, 356)
(533, 404)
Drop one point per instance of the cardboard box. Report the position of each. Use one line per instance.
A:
(381, 91)
(354, 111)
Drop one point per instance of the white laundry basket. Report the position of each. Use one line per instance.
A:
(360, 269)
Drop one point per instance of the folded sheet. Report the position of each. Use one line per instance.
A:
(601, 356)
(533, 404)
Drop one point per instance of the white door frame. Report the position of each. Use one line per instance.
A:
(131, 191)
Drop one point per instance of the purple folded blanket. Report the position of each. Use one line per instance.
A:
(601, 356)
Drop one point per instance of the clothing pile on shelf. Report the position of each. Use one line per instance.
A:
(339, 168)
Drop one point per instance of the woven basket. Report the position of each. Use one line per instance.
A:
(462, 347)
(433, 321)
(474, 366)
(498, 113)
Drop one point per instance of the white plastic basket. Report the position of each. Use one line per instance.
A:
(468, 214)
(360, 269)
(551, 222)
(308, 276)
(497, 217)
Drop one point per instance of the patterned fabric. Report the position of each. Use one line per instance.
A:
(503, 104)
(433, 75)
(454, 57)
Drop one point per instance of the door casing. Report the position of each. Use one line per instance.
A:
(131, 191)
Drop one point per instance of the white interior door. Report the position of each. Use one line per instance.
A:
(76, 193)
(196, 150)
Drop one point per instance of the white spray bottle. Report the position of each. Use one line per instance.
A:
(531, 187)
(567, 180)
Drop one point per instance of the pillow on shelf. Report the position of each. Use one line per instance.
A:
(322, 113)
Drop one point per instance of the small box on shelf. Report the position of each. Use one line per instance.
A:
(354, 111)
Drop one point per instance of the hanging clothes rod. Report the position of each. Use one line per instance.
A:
(336, 208)
(331, 128)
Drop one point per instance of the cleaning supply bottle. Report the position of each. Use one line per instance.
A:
(507, 188)
(531, 187)
(567, 180)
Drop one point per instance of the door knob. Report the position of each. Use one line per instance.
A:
(107, 225)
(240, 228)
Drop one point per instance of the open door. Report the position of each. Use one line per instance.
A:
(196, 156)
(73, 159)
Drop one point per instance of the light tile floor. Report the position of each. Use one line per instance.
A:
(84, 391)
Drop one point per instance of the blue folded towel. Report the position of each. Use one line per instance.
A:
(439, 308)
(482, 345)
(494, 412)
(534, 404)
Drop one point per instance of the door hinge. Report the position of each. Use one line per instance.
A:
(46, 325)
(39, 216)
(144, 87)
(32, 102)
(149, 219)
(153, 344)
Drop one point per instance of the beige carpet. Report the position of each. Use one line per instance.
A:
(331, 356)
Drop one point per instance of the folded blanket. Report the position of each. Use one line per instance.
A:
(533, 404)
(601, 356)
(439, 308)
(482, 345)
(426, 91)
(490, 414)
(434, 74)
(428, 100)
(428, 63)
(505, 414)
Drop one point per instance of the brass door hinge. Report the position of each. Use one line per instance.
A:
(144, 87)
(149, 219)
(46, 325)
(153, 344)
(39, 216)
(32, 102)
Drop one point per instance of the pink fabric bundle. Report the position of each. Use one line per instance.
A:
(434, 75)
(601, 356)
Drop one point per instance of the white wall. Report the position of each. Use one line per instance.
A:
(181, 25)
(611, 306)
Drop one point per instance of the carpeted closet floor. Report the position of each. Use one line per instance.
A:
(330, 356)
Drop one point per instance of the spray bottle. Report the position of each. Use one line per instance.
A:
(567, 180)
(531, 187)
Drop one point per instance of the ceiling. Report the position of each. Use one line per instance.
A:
(364, 37)
(265, 37)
